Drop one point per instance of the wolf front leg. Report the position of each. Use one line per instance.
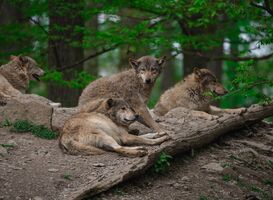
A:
(146, 119)
(217, 111)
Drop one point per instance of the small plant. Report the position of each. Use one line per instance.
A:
(268, 182)
(23, 126)
(226, 177)
(5, 123)
(67, 176)
(163, 163)
(7, 145)
(225, 165)
(203, 197)
(118, 191)
(270, 163)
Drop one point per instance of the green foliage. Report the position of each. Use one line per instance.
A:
(5, 123)
(67, 176)
(23, 126)
(226, 177)
(163, 163)
(203, 197)
(80, 81)
(249, 86)
(148, 27)
(7, 145)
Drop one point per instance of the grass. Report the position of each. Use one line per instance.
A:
(226, 177)
(7, 145)
(203, 197)
(5, 123)
(23, 126)
(163, 163)
(67, 176)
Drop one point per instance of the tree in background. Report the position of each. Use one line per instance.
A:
(233, 39)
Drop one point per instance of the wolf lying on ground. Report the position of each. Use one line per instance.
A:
(134, 86)
(15, 75)
(102, 125)
(192, 93)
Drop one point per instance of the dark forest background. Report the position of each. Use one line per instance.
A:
(77, 41)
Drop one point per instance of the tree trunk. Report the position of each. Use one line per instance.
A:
(9, 14)
(63, 17)
(91, 66)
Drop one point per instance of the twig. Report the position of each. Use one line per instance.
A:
(230, 58)
(98, 53)
(265, 7)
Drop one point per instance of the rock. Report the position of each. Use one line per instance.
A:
(176, 185)
(185, 179)
(3, 151)
(213, 167)
(60, 115)
(53, 170)
(37, 198)
(28, 107)
(99, 165)
(12, 142)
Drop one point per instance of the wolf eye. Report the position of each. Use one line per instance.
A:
(123, 108)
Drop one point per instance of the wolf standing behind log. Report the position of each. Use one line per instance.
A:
(134, 86)
(192, 93)
(102, 124)
(15, 76)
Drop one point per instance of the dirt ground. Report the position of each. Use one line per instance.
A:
(238, 166)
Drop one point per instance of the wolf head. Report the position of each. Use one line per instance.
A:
(209, 82)
(30, 65)
(120, 111)
(148, 68)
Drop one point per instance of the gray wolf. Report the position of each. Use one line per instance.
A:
(193, 93)
(102, 125)
(18, 72)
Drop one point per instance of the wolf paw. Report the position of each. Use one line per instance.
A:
(2, 103)
(141, 151)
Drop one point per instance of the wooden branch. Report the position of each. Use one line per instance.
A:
(266, 6)
(230, 58)
(93, 55)
(189, 133)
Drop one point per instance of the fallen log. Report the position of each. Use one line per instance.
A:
(187, 133)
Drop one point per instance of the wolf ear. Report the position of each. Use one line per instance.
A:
(12, 57)
(161, 60)
(134, 63)
(110, 103)
(197, 72)
(23, 59)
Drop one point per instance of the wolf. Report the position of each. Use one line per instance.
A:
(17, 74)
(193, 93)
(134, 86)
(102, 125)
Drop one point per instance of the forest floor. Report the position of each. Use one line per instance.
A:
(237, 166)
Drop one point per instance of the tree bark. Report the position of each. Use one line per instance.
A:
(11, 15)
(63, 17)
(91, 66)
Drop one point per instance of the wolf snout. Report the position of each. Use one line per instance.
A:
(148, 81)
(136, 117)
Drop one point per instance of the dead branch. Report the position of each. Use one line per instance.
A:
(185, 138)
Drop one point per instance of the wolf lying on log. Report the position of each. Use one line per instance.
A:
(104, 127)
